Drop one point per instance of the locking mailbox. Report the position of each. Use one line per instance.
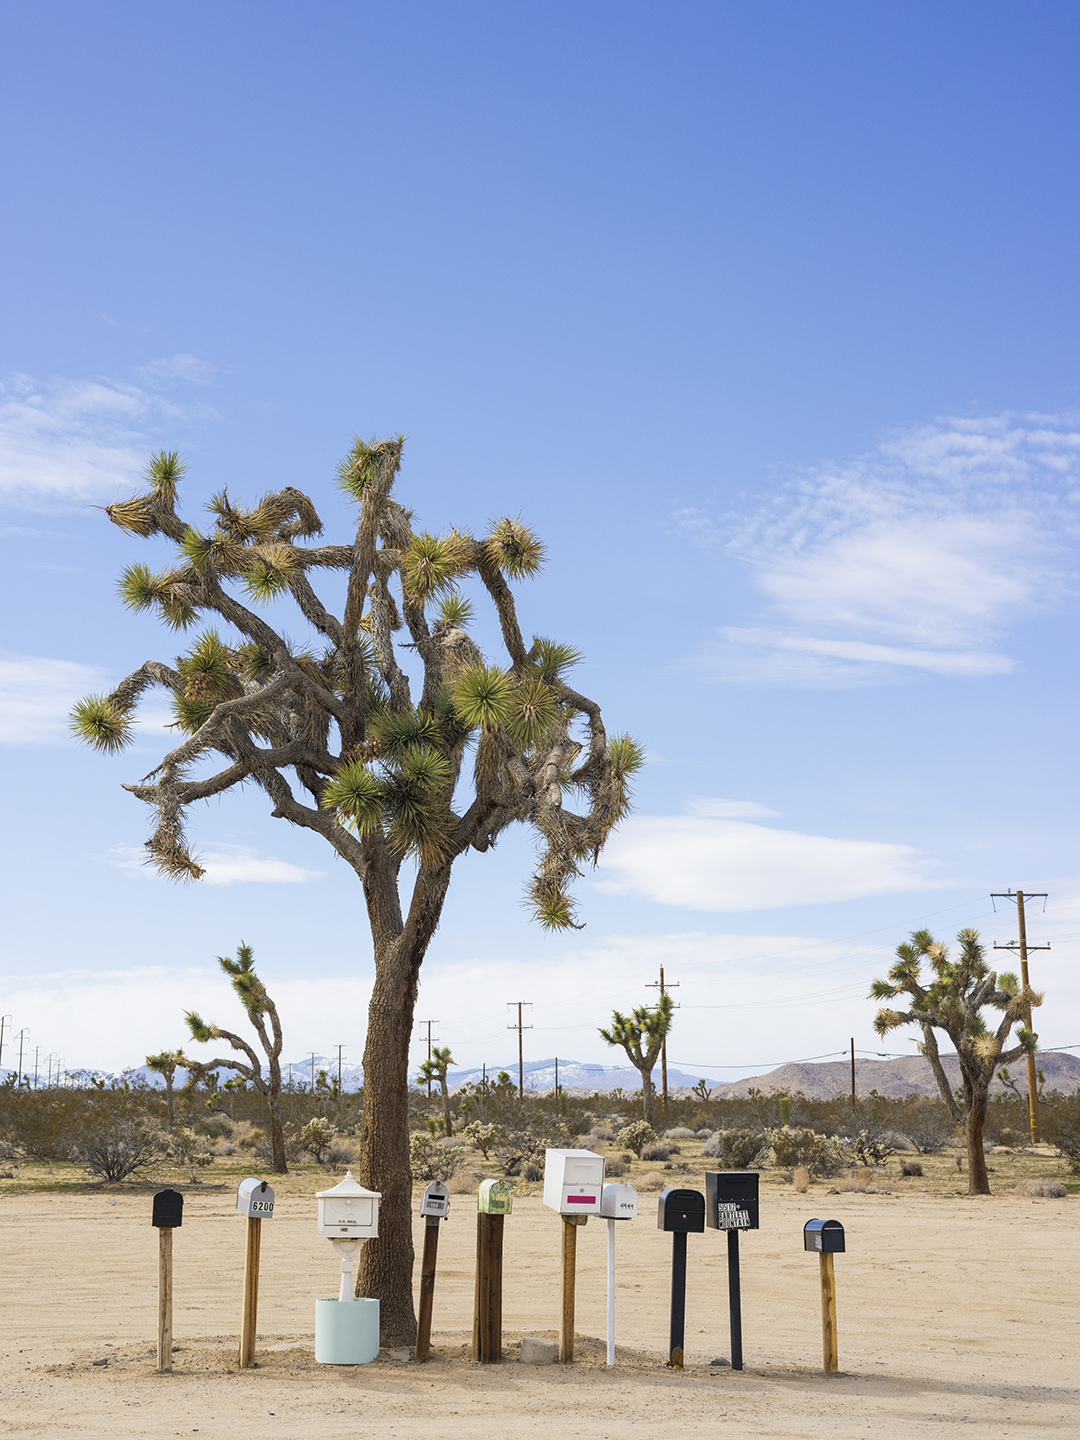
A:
(495, 1197)
(168, 1211)
(573, 1181)
(681, 1211)
(618, 1202)
(435, 1201)
(255, 1199)
(825, 1237)
(348, 1211)
(731, 1199)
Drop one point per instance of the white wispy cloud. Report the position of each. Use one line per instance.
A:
(66, 440)
(224, 865)
(36, 695)
(708, 861)
(918, 556)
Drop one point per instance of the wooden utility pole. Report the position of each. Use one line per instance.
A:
(1023, 947)
(569, 1286)
(853, 1070)
(250, 1311)
(660, 985)
(829, 1353)
(521, 1052)
(429, 1024)
(340, 1092)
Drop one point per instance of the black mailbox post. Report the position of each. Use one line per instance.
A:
(826, 1239)
(682, 1212)
(731, 1200)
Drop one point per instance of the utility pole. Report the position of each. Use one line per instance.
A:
(660, 985)
(429, 1024)
(48, 1061)
(556, 1079)
(37, 1052)
(312, 1054)
(521, 1053)
(1023, 947)
(21, 1037)
(339, 1090)
(853, 1070)
(3, 1021)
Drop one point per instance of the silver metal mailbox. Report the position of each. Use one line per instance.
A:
(435, 1201)
(618, 1202)
(348, 1211)
(255, 1199)
(573, 1181)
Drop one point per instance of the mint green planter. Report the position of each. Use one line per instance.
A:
(346, 1332)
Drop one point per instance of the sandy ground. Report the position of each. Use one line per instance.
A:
(956, 1316)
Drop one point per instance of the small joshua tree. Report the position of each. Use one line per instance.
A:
(642, 1034)
(260, 1008)
(435, 1069)
(348, 746)
(166, 1065)
(953, 1001)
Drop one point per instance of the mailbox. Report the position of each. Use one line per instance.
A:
(435, 1201)
(496, 1197)
(618, 1202)
(168, 1213)
(348, 1211)
(682, 1211)
(824, 1236)
(255, 1199)
(731, 1199)
(573, 1181)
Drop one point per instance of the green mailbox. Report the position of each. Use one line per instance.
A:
(496, 1197)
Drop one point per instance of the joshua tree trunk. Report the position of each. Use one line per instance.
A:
(647, 1093)
(978, 1179)
(447, 1122)
(277, 1134)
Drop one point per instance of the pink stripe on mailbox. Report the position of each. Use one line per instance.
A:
(581, 1199)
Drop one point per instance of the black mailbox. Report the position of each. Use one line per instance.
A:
(731, 1199)
(824, 1236)
(682, 1211)
(168, 1210)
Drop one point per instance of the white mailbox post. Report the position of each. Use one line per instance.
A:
(617, 1202)
(348, 1215)
(573, 1185)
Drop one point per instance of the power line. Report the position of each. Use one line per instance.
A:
(659, 985)
(1023, 947)
(521, 1053)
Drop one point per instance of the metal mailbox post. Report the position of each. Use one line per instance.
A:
(166, 1216)
(731, 1204)
(682, 1212)
(347, 1329)
(826, 1237)
(434, 1208)
(494, 1202)
(573, 1186)
(255, 1201)
(617, 1202)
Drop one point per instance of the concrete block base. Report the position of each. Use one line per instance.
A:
(535, 1351)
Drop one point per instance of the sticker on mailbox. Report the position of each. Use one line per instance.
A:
(733, 1217)
(581, 1199)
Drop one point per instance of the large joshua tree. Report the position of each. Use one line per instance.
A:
(953, 1001)
(642, 1034)
(344, 746)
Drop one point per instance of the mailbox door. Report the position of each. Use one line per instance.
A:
(168, 1211)
(581, 1199)
(682, 1210)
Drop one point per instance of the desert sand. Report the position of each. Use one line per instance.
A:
(956, 1316)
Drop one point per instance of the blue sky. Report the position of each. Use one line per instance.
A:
(764, 315)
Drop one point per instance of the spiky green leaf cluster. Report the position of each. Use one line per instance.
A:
(455, 611)
(358, 796)
(433, 562)
(164, 473)
(97, 722)
(513, 548)
(533, 713)
(552, 658)
(483, 696)
(208, 669)
(399, 731)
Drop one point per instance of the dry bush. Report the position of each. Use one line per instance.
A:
(652, 1180)
(659, 1152)
(1043, 1189)
(615, 1169)
(910, 1168)
(636, 1136)
(680, 1132)
(800, 1179)
(462, 1184)
(857, 1182)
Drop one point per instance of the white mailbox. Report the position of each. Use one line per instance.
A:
(573, 1181)
(255, 1199)
(435, 1201)
(348, 1211)
(618, 1202)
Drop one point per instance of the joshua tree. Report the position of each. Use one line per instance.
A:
(641, 1034)
(435, 1069)
(166, 1064)
(334, 734)
(260, 1008)
(953, 1002)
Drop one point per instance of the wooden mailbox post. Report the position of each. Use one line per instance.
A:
(255, 1200)
(826, 1237)
(167, 1216)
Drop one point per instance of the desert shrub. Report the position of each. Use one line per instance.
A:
(821, 1154)
(261, 1145)
(1061, 1127)
(680, 1132)
(519, 1146)
(189, 1150)
(532, 1171)
(615, 1169)
(215, 1127)
(800, 1179)
(1043, 1189)
(40, 1124)
(741, 1149)
(652, 1180)
(316, 1139)
(659, 1151)
(911, 1168)
(482, 1137)
(431, 1161)
(870, 1151)
(464, 1184)
(116, 1138)
(340, 1157)
(925, 1122)
(857, 1181)
(636, 1136)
